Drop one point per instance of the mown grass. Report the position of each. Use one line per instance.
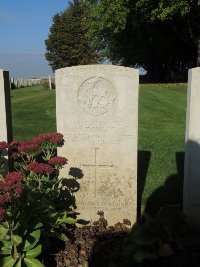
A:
(161, 131)
(33, 112)
(162, 112)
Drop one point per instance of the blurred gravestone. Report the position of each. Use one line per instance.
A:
(97, 112)
(191, 200)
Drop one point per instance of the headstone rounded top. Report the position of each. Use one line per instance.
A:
(99, 67)
(96, 96)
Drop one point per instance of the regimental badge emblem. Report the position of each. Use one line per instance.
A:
(96, 96)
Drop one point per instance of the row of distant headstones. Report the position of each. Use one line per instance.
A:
(20, 82)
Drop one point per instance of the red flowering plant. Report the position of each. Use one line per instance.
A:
(29, 197)
(48, 143)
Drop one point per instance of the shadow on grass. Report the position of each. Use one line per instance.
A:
(171, 192)
(143, 165)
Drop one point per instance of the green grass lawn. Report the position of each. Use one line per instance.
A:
(161, 132)
(33, 112)
(162, 112)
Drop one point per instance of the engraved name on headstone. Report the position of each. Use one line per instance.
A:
(97, 112)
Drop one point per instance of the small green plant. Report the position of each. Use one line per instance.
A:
(152, 238)
(30, 200)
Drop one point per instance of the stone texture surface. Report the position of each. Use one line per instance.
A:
(97, 112)
(191, 199)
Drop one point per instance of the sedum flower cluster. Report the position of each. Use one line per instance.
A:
(34, 161)
(30, 196)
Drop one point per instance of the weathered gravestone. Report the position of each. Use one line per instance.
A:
(97, 112)
(191, 200)
(5, 110)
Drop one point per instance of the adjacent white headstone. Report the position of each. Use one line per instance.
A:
(5, 107)
(50, 86)
(5, 115)
(97, 112)
(191, 199)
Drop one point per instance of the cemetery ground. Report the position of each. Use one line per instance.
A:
(162, 109)
(161, 134)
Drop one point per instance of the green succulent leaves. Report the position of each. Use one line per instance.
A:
(16, 250)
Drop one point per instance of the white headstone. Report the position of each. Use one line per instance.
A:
(5, 114)
(97, 112)
(50, 86)
(191, 198)
(5, 107)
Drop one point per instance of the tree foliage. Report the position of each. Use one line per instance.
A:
(67, 43)
(159, 35)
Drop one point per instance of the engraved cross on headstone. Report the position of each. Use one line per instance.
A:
(96, 167)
